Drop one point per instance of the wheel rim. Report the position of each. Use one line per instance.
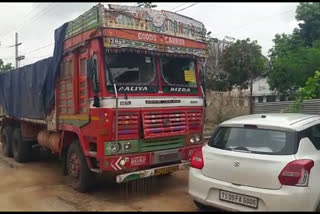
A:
(74, 165)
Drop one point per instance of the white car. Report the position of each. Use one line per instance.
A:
(261, 162)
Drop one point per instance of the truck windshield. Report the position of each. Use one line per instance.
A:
(178, 71)
(130, 69)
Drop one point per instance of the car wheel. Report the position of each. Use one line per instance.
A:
(81, 177)
(22, 151)
(318, 208)
(6, 139)
(200, 206)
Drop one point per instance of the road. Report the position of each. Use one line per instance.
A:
(40, 186)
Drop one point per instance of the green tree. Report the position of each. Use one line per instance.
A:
(292, 64)
(308, 14)
(243, 62)
(295, 57)
(5, 67)
(146, 5)
(311, 90)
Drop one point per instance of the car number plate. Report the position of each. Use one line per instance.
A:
(166, 170)
(238, 199)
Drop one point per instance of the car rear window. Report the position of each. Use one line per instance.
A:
(254, 140)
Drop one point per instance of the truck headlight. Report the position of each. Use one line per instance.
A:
(192, 140)
(127, 146)
(197, 138)
(115, 147)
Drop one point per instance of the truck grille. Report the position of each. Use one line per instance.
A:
(170, 123)
(128, 125)
(162, 144)
(194, 118)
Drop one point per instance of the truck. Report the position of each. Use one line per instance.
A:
(122, 94)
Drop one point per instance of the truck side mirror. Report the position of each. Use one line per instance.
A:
(203, 86)
(89, 69)
(93, 75)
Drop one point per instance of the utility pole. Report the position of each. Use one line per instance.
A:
(16, 44)
(18, 58)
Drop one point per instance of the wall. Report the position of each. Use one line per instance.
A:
(261, 87)
(310, 107)
(224, 105)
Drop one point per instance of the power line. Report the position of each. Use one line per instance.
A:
(38, 15)
(13, 29)
(41, 13)
(39, 48)
(38, 57)
(187, 7)
(178, 6)
(23, 24)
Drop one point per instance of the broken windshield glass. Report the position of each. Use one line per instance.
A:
(178, 71)
(130, 69)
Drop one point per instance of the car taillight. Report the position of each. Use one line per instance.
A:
(197, 159)
(296, 173)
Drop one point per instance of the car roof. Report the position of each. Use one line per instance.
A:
(292, 121)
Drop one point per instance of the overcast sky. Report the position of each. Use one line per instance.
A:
(36, 22)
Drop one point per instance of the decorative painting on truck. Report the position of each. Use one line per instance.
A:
(163, 22)
(141, 19)
(111, 42)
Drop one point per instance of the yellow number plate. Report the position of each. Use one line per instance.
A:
(166, 170)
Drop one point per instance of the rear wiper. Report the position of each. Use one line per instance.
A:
(240, 149)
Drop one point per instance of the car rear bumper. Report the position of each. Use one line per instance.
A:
(289, 198)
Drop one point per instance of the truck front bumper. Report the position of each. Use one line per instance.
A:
(147, 162)
(152, 172)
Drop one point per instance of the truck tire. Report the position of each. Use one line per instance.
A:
(81, 177)
(6, 141)
(22, 151)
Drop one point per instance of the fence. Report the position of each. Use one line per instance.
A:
(309, 107)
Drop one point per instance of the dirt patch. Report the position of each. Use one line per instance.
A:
(40, 186)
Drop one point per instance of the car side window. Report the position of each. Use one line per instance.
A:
(313, 133)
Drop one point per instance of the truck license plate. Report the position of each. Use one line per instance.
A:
(168, 157)
(238, 199)
(166, 170)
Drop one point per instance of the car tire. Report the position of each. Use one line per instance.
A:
(6, 141)
(318, 208)
(200, 206)
(82, 179)
(22, 151)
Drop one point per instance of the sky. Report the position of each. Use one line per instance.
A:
(36, 22)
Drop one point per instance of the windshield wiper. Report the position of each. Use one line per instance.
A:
(240, 149)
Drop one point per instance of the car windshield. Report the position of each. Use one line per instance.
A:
(178, 71)
(254, 140)
(130, 69)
